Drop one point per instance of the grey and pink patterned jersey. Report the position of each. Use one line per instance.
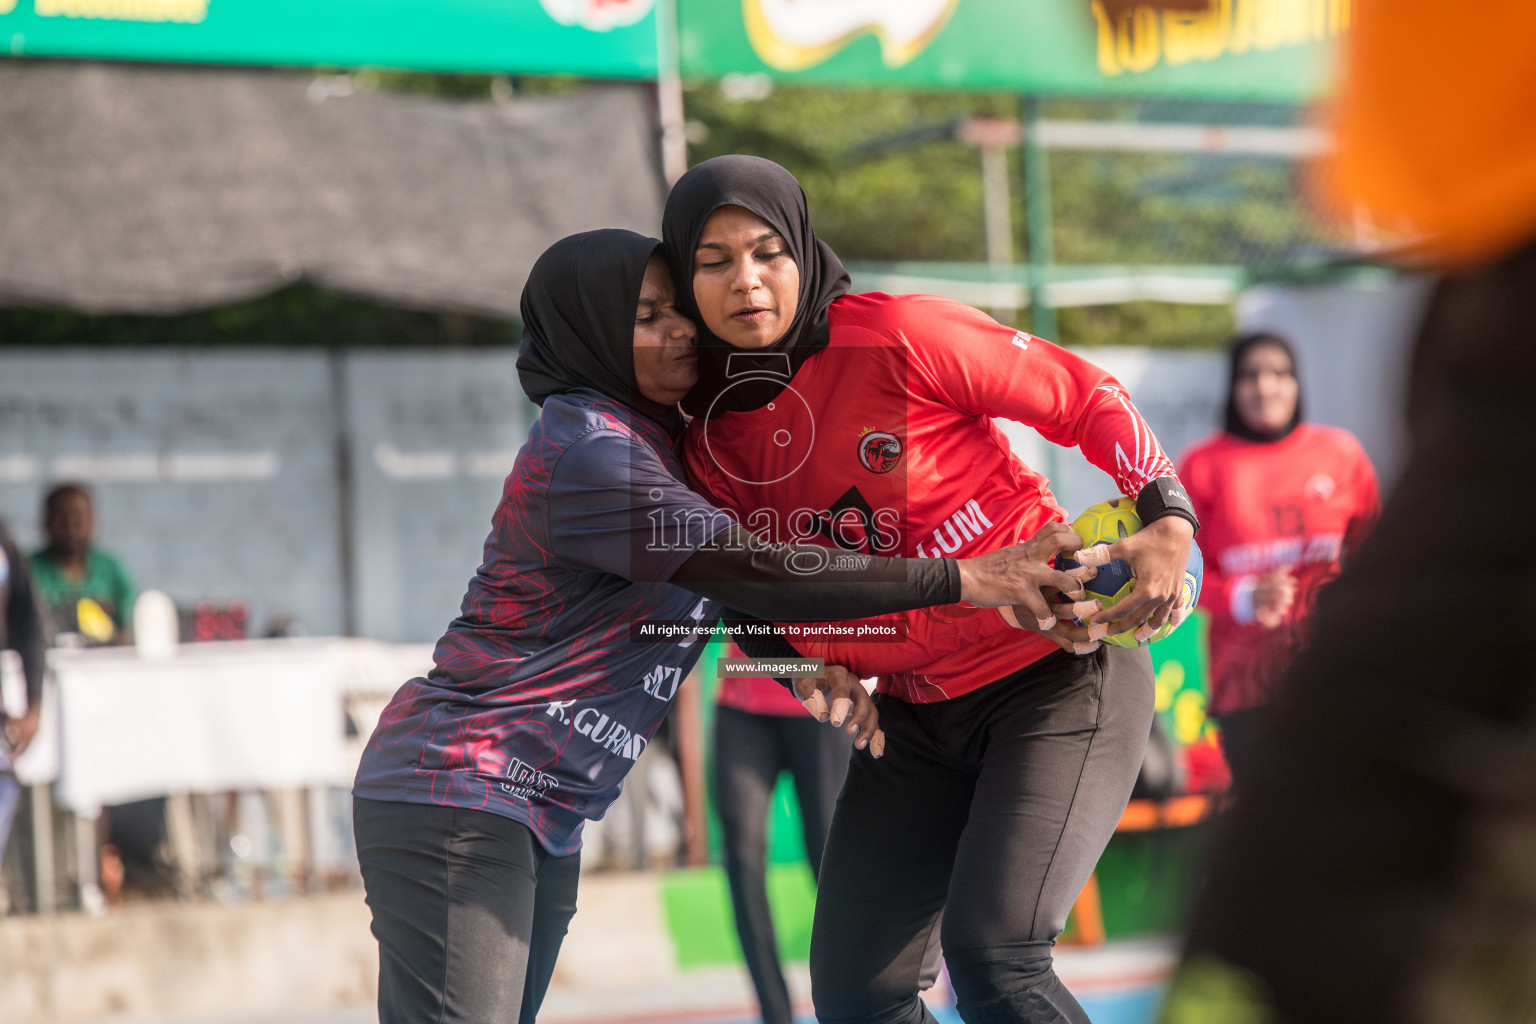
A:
(541, 697)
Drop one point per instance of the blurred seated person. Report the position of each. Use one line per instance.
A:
(87, 592)
(1283, 503)
(83, 589)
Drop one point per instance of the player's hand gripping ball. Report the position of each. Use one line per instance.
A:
(1106, 523)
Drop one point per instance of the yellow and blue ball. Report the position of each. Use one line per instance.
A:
(1111, 521)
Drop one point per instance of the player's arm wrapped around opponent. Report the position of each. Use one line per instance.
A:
(942, 629)
(972, 363)
(615, 491)
(796, 581)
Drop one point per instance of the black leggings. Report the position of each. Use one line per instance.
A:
(750, 752)
(468, 908)
(987, 812)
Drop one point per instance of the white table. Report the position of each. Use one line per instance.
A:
(257, 715)
(216, 717)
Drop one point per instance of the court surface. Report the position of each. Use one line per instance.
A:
(1119, 983)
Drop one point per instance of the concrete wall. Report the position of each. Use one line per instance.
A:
(432, 438)
(214, 473)
(218, 475)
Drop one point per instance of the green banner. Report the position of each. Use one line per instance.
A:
(1276, 50)
(600, 38)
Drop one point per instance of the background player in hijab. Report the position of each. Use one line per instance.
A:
(472, 791)
(993, 801)
(1283, 503)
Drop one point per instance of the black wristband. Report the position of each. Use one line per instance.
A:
(1165, 497)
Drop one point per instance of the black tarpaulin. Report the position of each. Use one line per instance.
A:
(152, 189)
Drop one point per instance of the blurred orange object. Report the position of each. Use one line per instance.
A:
(1087, 917)
(1087, 920)
(1178, 812)
(1436, 124)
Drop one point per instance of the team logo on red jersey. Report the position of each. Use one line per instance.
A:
(879, 451)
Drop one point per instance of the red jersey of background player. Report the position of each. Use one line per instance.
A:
(1297, 502)
(756, 695)
(884, 444)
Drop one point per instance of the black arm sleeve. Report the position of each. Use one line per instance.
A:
(1165, 496)
(23, 631)
(759, 639)
(795, 581)
(756, 638)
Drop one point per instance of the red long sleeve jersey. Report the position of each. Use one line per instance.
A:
(1298, 502)
(884, 444)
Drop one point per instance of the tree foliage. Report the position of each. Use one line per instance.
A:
(299, 317)
(923, 201)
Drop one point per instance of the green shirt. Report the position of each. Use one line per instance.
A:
(105, 583)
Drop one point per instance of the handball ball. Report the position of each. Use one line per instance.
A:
(1106, 523)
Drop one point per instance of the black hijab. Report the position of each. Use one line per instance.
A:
(1234, 422)
(764, 188)
(579, 320)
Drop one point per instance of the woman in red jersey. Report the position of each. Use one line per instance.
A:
(864, 422)
(1282, 501)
